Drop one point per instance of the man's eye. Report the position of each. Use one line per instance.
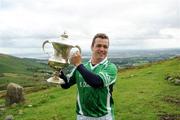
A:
(98, 45)
(105, 46)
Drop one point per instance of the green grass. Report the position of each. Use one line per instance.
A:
(139, 94)
(26, 72)
(51, 104)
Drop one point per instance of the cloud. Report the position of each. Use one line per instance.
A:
(130, 24)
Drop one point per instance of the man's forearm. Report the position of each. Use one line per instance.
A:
(66, 85)
(91, 78)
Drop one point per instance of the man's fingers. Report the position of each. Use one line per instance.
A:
(76, 54)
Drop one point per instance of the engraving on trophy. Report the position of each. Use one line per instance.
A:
(60, 58)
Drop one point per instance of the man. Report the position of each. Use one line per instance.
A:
(95, 80)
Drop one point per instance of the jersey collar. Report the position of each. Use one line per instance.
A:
(102, 62)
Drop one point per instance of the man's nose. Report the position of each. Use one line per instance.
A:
(101, 48)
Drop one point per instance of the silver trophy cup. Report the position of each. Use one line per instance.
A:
(60, 59)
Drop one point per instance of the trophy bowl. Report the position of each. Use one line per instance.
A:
(59, 59)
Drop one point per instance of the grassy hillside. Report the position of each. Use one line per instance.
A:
(144, 94)
(140, 93)
(26, 72)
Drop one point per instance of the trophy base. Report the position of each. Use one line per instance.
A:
(55, 79)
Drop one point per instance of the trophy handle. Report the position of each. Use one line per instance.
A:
(43, 46)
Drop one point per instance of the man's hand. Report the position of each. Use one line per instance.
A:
(76, 58)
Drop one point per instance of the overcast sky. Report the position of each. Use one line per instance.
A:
(130, 24)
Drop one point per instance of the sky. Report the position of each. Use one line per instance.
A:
(130, 24)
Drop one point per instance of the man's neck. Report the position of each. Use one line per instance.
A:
(96, 61)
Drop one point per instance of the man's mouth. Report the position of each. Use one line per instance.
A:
(101, 54)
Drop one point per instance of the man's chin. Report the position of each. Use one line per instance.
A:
(101, 58)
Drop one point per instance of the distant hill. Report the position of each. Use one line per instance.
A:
(119, 53)
(10, 63)
(26, 72)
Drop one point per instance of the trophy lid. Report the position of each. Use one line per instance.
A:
(64, 36)
(63, 40)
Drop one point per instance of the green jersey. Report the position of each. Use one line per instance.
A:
(96, 102)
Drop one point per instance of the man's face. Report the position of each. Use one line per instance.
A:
(100, 49)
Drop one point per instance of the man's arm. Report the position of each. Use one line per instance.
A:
(69, 83)
(92, 79)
